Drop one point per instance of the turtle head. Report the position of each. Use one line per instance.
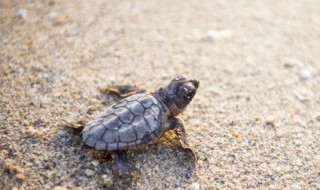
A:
(179, 93)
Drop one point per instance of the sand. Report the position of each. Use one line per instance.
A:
(253, 124)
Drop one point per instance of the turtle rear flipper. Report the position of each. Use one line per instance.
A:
(122, 163)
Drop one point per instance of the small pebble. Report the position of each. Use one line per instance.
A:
(222, 173)
(21, 13)
(52, 16)
(298, 162)
(295, 187)
(20, 177)
(89, 172)
(106, 180)
(217, 34)
(236, 134)
(45, 100)
(297, 142)
(60, 188)
(62, 133)
(195, 186)
(305, 74)
(304, 94)
(270, 121)
(288, 62)
(95, 162)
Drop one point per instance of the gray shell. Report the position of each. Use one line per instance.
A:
(130, 123)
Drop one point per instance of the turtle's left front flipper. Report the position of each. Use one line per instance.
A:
(122, 91)
(178, 127)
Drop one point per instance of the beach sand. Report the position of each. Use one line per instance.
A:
(253, 124)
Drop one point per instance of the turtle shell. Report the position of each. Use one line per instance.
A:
(128, 124)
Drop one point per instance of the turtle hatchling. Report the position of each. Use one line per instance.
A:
(139, 119)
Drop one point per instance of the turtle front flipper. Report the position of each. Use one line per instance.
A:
(122, 163)
(122, 91)
(178, 127)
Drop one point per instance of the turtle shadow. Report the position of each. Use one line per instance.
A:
(164, 161)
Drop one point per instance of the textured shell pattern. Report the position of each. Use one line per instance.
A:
(130, 123)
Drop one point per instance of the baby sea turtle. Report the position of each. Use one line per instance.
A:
(139, 119)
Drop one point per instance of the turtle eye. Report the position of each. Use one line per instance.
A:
(190, 94)
(182, 92)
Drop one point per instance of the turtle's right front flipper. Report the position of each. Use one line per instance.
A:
(178, 127)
